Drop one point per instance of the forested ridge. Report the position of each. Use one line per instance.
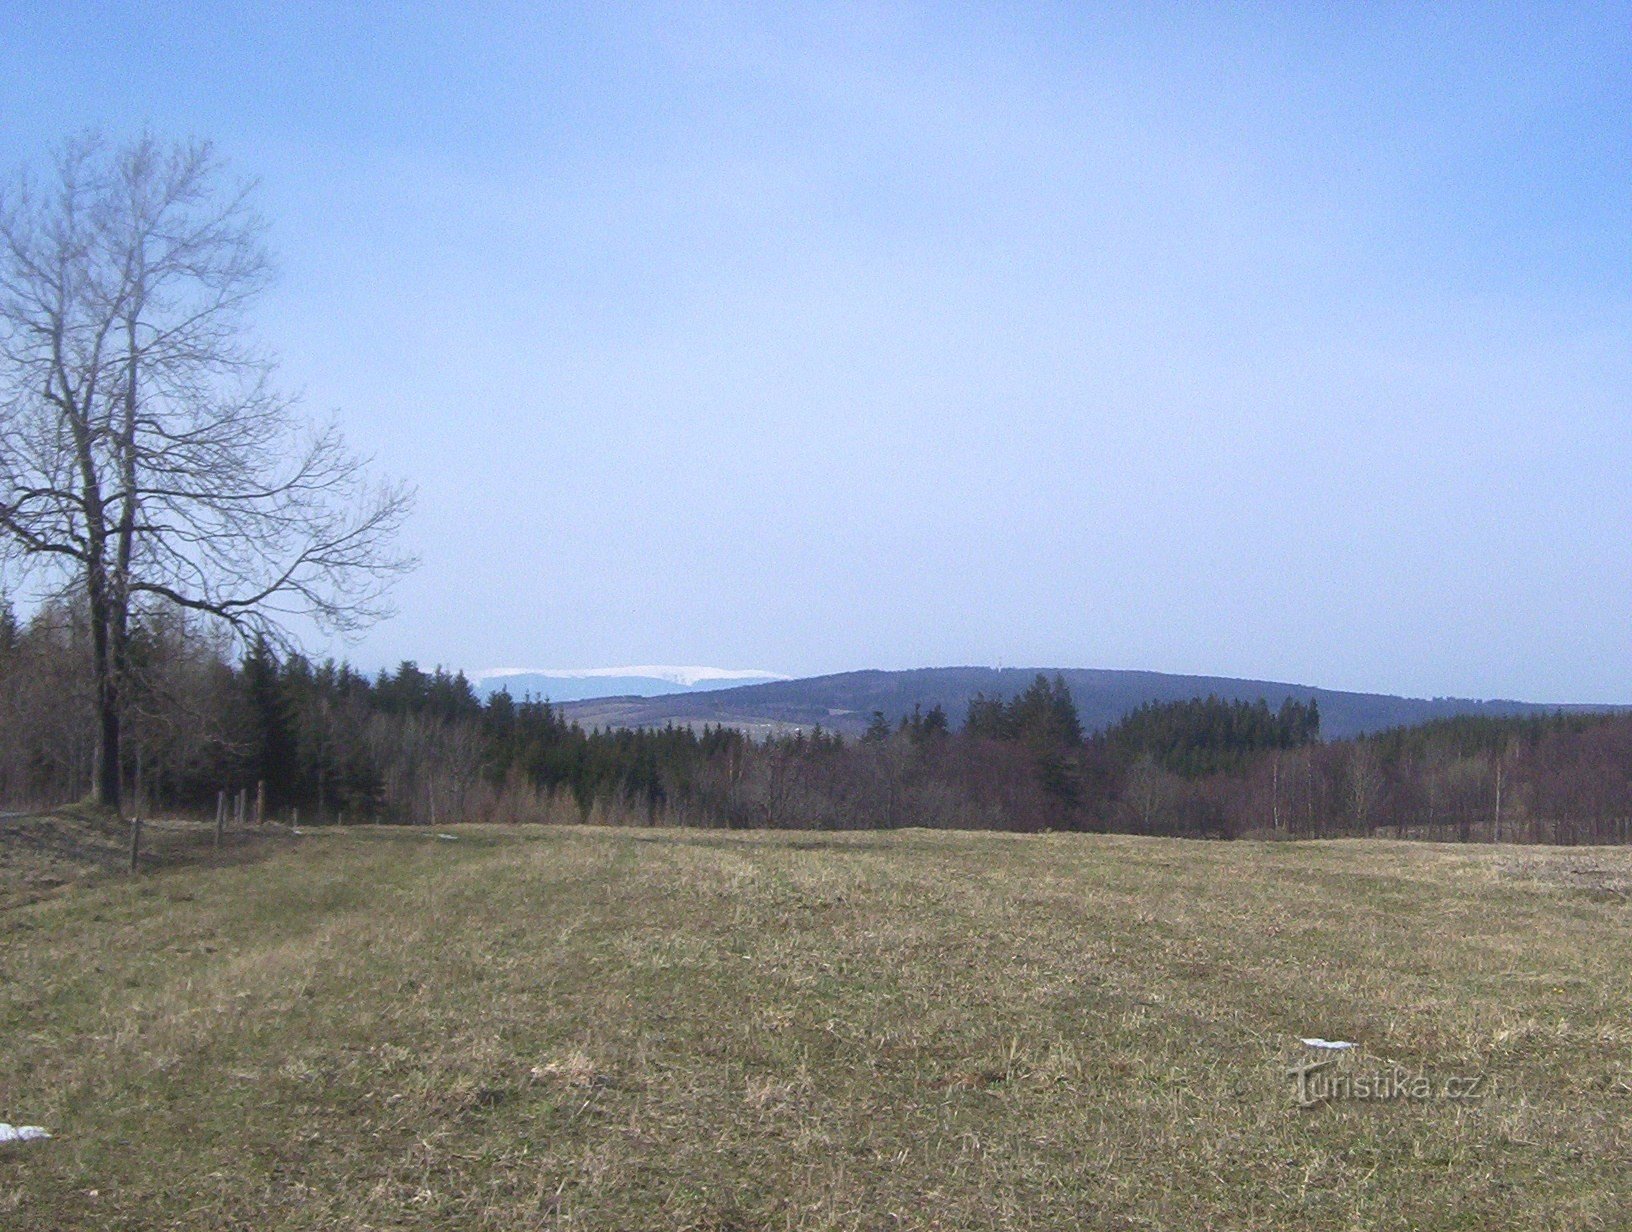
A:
(328, 744)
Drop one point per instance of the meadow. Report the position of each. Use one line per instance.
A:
(565, 1027)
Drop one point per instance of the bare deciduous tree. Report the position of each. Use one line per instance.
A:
(1365, 784)
(145, 455)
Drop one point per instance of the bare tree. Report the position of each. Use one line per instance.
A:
(145, 455)
(1365, 784)
(1150, 789)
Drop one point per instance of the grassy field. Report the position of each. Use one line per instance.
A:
(616, 1029)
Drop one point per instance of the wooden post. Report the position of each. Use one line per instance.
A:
(220, 814)
(136, 818)
(295, 824)
(260, 803)
(242, 807)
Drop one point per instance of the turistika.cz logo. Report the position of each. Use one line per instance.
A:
(1321, 1082)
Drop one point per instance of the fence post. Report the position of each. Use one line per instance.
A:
(260, 803)
(220, 814)
(136, 819)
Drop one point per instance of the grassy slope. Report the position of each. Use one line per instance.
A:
(624, 1029)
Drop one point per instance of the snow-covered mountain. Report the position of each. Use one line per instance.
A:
(583, 683)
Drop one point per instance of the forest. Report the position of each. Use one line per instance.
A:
(321, 743)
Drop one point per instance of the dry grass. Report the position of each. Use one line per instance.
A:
(563, 1028)
(41, 853)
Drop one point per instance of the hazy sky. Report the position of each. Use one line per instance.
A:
(1289, 341)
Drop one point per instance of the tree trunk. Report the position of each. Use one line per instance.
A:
(106, 789)
(106, 776)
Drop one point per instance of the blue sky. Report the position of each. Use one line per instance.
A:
(1289, 341)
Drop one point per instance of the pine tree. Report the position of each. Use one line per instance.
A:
(273, 741)
(878, 731)
(10, 632)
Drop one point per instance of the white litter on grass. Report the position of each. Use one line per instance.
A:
(448, 838)
(22, 1133)
(1317, 1042)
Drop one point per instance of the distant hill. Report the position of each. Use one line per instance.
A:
(845, 702)
(598, 682)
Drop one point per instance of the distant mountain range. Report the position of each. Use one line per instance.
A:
(576, 684)
(845, 702)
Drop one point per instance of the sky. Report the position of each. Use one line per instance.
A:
(1282, 341)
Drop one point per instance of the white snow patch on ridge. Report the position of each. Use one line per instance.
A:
(687, 677)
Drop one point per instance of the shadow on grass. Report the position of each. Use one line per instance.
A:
(42, 852)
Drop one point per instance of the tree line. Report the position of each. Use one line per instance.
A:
(171, 512)
(328, 744)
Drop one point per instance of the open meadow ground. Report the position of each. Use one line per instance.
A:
(624, 1029)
